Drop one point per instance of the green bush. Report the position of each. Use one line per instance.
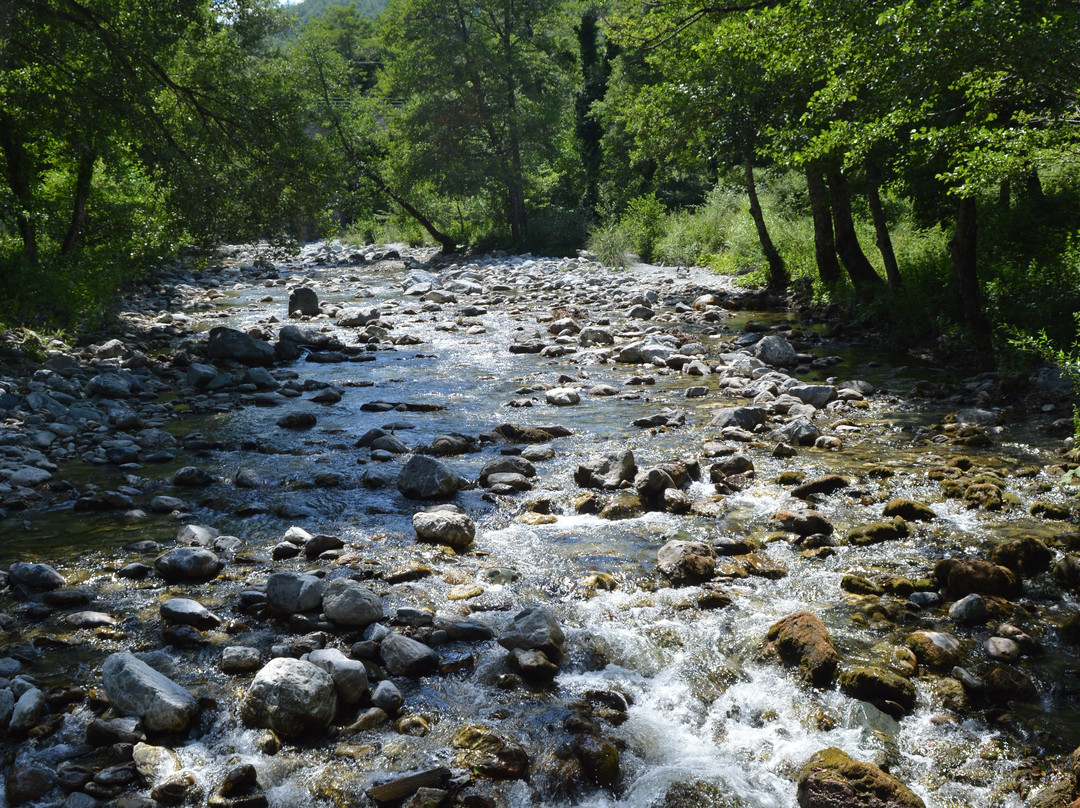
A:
(644, 224)
(611, 245)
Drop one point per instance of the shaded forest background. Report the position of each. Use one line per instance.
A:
(913, 163)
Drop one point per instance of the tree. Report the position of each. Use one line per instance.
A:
(702, 92)
(483, 91)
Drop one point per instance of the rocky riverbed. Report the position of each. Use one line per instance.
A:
(363, 527)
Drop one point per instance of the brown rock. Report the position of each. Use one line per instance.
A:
(822, 485)
(962, 576)
(802, 639)
(833, 780)
(1027, 556)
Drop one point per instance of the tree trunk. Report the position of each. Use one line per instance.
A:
(19, 173)
(963, 249)
(859, 269)
(778, 276)
(589, 130)
(516, 185)
(1005, 194)
(881, 227)
(1033, 189)
(516, 189)
(446, 243)
(824, 244)
(83, 180)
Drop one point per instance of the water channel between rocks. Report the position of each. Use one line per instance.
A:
(708, 710)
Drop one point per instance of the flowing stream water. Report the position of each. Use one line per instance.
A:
(705, 706)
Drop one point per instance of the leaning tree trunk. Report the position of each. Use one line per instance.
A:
(824, 243)
(778, 275)
(859, 269)
(83, 179)
(963, 249)
(881, 227)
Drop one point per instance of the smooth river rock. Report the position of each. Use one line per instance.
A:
(134, 688)
(293, 697)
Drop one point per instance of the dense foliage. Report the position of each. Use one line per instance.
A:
(914, 160)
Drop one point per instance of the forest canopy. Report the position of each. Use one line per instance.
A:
(914, 162)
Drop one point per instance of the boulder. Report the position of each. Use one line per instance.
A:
(196, 564)
(452, 528)
(741, 417)
(193, 477)
(799, 432)
(878, 532)
(289, 593)
(292, 697)
(562, 397)
(424, 477)
(821, 485)
(937, 650)
(610, 471)
(909, 510)
(27, 711)
(349, 675)
(490, 754)
(236, 346)
(351, 604)
(303, 301)
(804, 522)
(507, 464)
(888, 691)
(358, 317)
(802, 639)
(687, 562)
(29, 783)
(403, 656)
(136, 689)
(776, 351)
(1027, 556)
(35, 576)
(535, 629)
(831, 779)
(188, 612)
(963, 576)
(816, 395)
(970, 610)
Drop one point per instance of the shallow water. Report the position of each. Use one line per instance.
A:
(705, 705)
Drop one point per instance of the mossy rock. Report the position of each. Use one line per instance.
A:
(889, 692)
(831, 779)
(599, 759)
(623, 505)
(901, 587)
(879, 472)
(878, 532)
(1051, 510)
(909, 509)
(822, 485)
(802, 639)
(698, 794)
(790, 478)
(1027, 556)
(1066, 573)
(488, 753)
(984, 495)
(963, 576)
(857, 585)
(952, 489)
